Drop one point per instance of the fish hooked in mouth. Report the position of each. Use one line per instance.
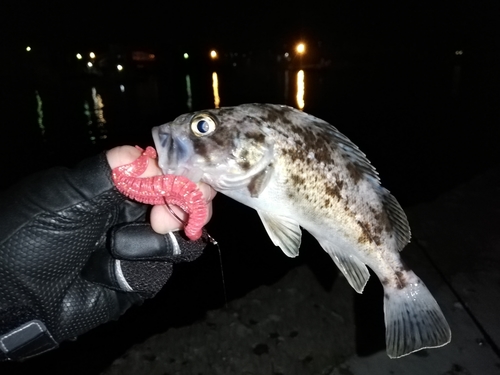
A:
(298, 171)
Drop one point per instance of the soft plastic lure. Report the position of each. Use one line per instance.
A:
(165, 189)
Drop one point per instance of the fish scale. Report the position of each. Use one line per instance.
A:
(297, 171)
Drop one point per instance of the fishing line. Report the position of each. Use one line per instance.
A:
(214, 242)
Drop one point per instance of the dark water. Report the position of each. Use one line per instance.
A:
(426, 127)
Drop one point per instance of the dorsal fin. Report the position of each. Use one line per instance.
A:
(397, 217)
(395, 213)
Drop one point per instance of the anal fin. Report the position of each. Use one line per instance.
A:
(284, 232)
(354, 270)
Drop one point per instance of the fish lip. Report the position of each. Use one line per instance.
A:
(156, 139)
(173, 152)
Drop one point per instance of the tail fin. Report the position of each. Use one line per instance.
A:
(413, 319)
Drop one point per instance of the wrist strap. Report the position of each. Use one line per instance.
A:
(25, 341)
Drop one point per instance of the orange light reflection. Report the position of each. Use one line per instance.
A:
(215, 86)
(300, 89)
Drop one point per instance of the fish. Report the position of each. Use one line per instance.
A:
(299, 172)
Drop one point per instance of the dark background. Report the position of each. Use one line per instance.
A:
(414, 85)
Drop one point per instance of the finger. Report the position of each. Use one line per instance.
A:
(122, 155)
(162, 220)
(207, 191)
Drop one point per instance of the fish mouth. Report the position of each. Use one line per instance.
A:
(174, 153)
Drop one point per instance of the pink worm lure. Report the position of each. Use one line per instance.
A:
(165, 189)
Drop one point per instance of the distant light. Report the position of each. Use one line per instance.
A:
(287, 54)
(459, 52)
(28, 48)
(301, 48)
(119, 67)
(92, 55)
(122, 88)
(213, 54)
(78, 56)
(186, 56)
(89, 64)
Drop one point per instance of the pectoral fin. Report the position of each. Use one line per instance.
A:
(259, 182)
(353, 269)
(284, 232)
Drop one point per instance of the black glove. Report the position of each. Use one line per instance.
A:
(74, 253)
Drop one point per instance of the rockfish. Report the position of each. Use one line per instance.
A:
(298, 171)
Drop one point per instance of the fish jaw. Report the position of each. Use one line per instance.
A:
(175, 153)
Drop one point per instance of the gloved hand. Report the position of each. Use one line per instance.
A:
(75, 253)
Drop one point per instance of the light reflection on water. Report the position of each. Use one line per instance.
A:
(189, 102)
(300, 89)
(39, 111)
(95, 119)
(215, 86)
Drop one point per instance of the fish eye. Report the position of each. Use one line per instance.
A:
(202, 125)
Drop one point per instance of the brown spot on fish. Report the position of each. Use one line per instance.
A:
(327, 203)
(308, 137)
(383, 220)
(244, 164)
(333, 191)
(386, 296)
(294, 154)
(385, 281)
(297, 180)
(365, 236)
(257, 137)
(202, 149)
(401, 280)
(220, 138)
(323, 154)
(274, 115)
(354, 172)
